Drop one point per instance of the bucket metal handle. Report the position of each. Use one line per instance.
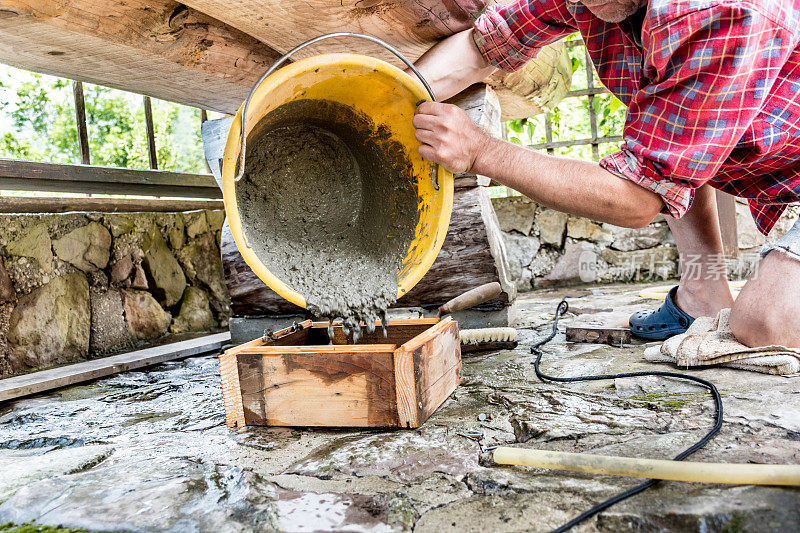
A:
(287, 55)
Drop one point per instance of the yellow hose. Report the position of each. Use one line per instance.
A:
(660, 293)
(739, 474)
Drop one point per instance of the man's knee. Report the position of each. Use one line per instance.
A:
(763, 325)
(751, 328)
(767, 310)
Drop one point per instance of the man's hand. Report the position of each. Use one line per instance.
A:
(448, 136)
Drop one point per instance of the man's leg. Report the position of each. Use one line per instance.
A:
(767, 311)
(703, 288)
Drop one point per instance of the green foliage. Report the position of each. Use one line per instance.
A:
(30, 527)
(571, 119)
(39, 124)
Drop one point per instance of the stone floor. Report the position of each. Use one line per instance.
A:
(149, 451)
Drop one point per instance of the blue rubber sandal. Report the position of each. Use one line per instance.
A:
(662, 323)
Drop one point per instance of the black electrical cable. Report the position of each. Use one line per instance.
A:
(560, 310)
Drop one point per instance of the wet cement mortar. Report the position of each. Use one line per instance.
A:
(149, 450)
(328, 204)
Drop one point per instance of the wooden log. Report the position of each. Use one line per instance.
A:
(473, 254)
(158, 48)
(249, 295)
(312, 383)
(210, 56)
(54, 378)
(411, 27)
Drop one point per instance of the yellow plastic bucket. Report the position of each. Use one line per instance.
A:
(385, 94)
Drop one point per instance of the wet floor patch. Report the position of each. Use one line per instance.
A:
(149, 451)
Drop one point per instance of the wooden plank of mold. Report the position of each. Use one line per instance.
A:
(336, 388)
(427, 371)
(232, 399)
(437, 361)
(159, 48)
(54, 378)
(298, 334)
(251, 380)
(398, 332)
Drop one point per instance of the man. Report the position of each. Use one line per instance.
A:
(712, 95)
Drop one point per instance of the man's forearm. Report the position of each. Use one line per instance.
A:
(453, 64)
(576, 187)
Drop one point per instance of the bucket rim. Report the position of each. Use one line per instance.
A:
(257, 103)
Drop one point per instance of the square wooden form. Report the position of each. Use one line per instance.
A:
(299, 379)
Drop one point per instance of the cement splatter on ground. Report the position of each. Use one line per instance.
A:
(149, 451)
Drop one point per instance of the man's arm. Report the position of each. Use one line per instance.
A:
(450, 138)
(453, 64)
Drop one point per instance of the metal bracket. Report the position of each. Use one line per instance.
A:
(243, 137)
(269, 335)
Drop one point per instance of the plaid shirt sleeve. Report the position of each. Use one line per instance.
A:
(510, 35)
(711, 71)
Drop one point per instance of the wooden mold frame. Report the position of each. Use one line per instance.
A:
(299, 379)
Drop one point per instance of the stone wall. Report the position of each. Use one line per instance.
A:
(750, 239)
(546, 247)
(79, 285)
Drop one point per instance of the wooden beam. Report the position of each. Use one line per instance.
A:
(55, 378)
(35, 176)
(412, 27)
(25, 204)
(159, 48)
(211, 55)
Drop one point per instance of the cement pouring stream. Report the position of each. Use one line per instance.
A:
(328, 204)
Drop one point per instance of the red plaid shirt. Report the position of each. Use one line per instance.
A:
(711, 89)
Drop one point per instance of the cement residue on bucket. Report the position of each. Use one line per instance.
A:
(328, 204)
